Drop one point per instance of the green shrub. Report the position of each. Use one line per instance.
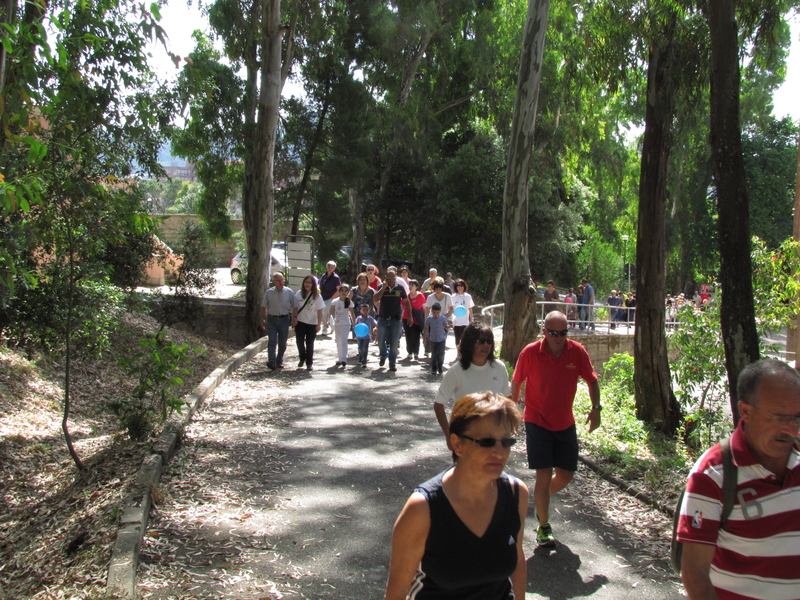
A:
(157, 369)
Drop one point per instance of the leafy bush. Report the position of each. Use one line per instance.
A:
(37, 316)
(158, 368)
(634, 451)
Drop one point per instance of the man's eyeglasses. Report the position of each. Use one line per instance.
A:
(484, 341)
(490, 442)
(779, 419)
(553, 333)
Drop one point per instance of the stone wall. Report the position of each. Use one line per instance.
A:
(224, 320)
(172, 225)
(170, 231)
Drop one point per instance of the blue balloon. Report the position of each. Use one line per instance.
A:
(362, 330)
(460, 311)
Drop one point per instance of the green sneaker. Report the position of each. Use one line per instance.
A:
(545, 537)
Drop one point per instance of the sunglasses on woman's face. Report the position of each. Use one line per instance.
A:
(483, 340)
(490, 442)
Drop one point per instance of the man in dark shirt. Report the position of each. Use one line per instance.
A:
(389, 299)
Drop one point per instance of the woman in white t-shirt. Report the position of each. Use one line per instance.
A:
(461, 298)
(477, 370)
(307, 320)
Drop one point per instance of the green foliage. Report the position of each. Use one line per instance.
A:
(633, 450)
(699, 375)
(158, 368)
(776, 288)
(37, 316)
(770, 162)
(599, 262)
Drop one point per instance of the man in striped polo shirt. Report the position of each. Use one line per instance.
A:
(756, 552)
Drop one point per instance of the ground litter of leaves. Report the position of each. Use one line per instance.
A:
(57, 524)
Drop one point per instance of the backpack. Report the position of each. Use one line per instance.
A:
(729, 481)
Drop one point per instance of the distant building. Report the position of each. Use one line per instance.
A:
(180, 169)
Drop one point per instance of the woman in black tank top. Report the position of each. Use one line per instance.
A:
(459, 536)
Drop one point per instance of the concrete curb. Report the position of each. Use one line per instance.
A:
(121, 580)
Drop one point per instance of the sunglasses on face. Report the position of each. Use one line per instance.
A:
(484, 340)
(553, 333)
(490, 442)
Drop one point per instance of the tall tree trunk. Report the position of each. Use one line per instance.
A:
(737, 314)
(258, 200)
(357, 255)
(519, 315)
(655, 402)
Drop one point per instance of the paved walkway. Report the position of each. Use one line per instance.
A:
(289, 483)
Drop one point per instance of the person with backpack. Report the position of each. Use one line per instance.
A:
(755, 552)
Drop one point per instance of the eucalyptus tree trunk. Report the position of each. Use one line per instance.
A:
(737, 314)
(519, 315)
(655, 401)
(258, 201)
(357, 254)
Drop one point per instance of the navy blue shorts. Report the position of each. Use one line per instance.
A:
(548, 449)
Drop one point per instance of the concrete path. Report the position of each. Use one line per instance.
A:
(290, 483)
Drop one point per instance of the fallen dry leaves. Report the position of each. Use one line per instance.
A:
(58, 525)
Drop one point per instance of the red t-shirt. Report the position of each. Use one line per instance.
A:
(550, 384)
(417, 302)
(375, 283)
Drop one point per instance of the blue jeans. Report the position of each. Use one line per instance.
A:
(278, 332)
(388, 338)
(363, 349)
(437, 355)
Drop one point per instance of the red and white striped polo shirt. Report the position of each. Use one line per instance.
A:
(758, 548)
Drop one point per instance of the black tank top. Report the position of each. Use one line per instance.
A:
(458, 565)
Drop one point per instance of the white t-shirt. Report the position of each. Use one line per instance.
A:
(446, 302)
(309, 314)
(341, 315)
(464, 300)
(457, 383)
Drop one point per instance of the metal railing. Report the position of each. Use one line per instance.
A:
(600, 315)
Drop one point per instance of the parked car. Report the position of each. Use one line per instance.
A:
(343, 258)
(278, 263)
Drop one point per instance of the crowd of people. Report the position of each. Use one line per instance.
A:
(460, 534)
(375, 310)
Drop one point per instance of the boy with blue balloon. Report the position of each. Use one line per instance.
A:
(365, 326)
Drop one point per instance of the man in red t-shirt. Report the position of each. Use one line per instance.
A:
(550, 369)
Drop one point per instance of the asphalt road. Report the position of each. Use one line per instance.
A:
(351, 446)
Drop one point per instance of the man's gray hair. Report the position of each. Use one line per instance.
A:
(753, 374)
(331, 264)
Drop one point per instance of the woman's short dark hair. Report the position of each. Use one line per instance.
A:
(413, 282)
(467, 347)
(459, 282)
(472, 407)
(314, 290)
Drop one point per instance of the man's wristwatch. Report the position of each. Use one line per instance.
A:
(597, 407)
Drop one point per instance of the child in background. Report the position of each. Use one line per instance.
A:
(363, 341)
(435, 332)
(343, 319)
